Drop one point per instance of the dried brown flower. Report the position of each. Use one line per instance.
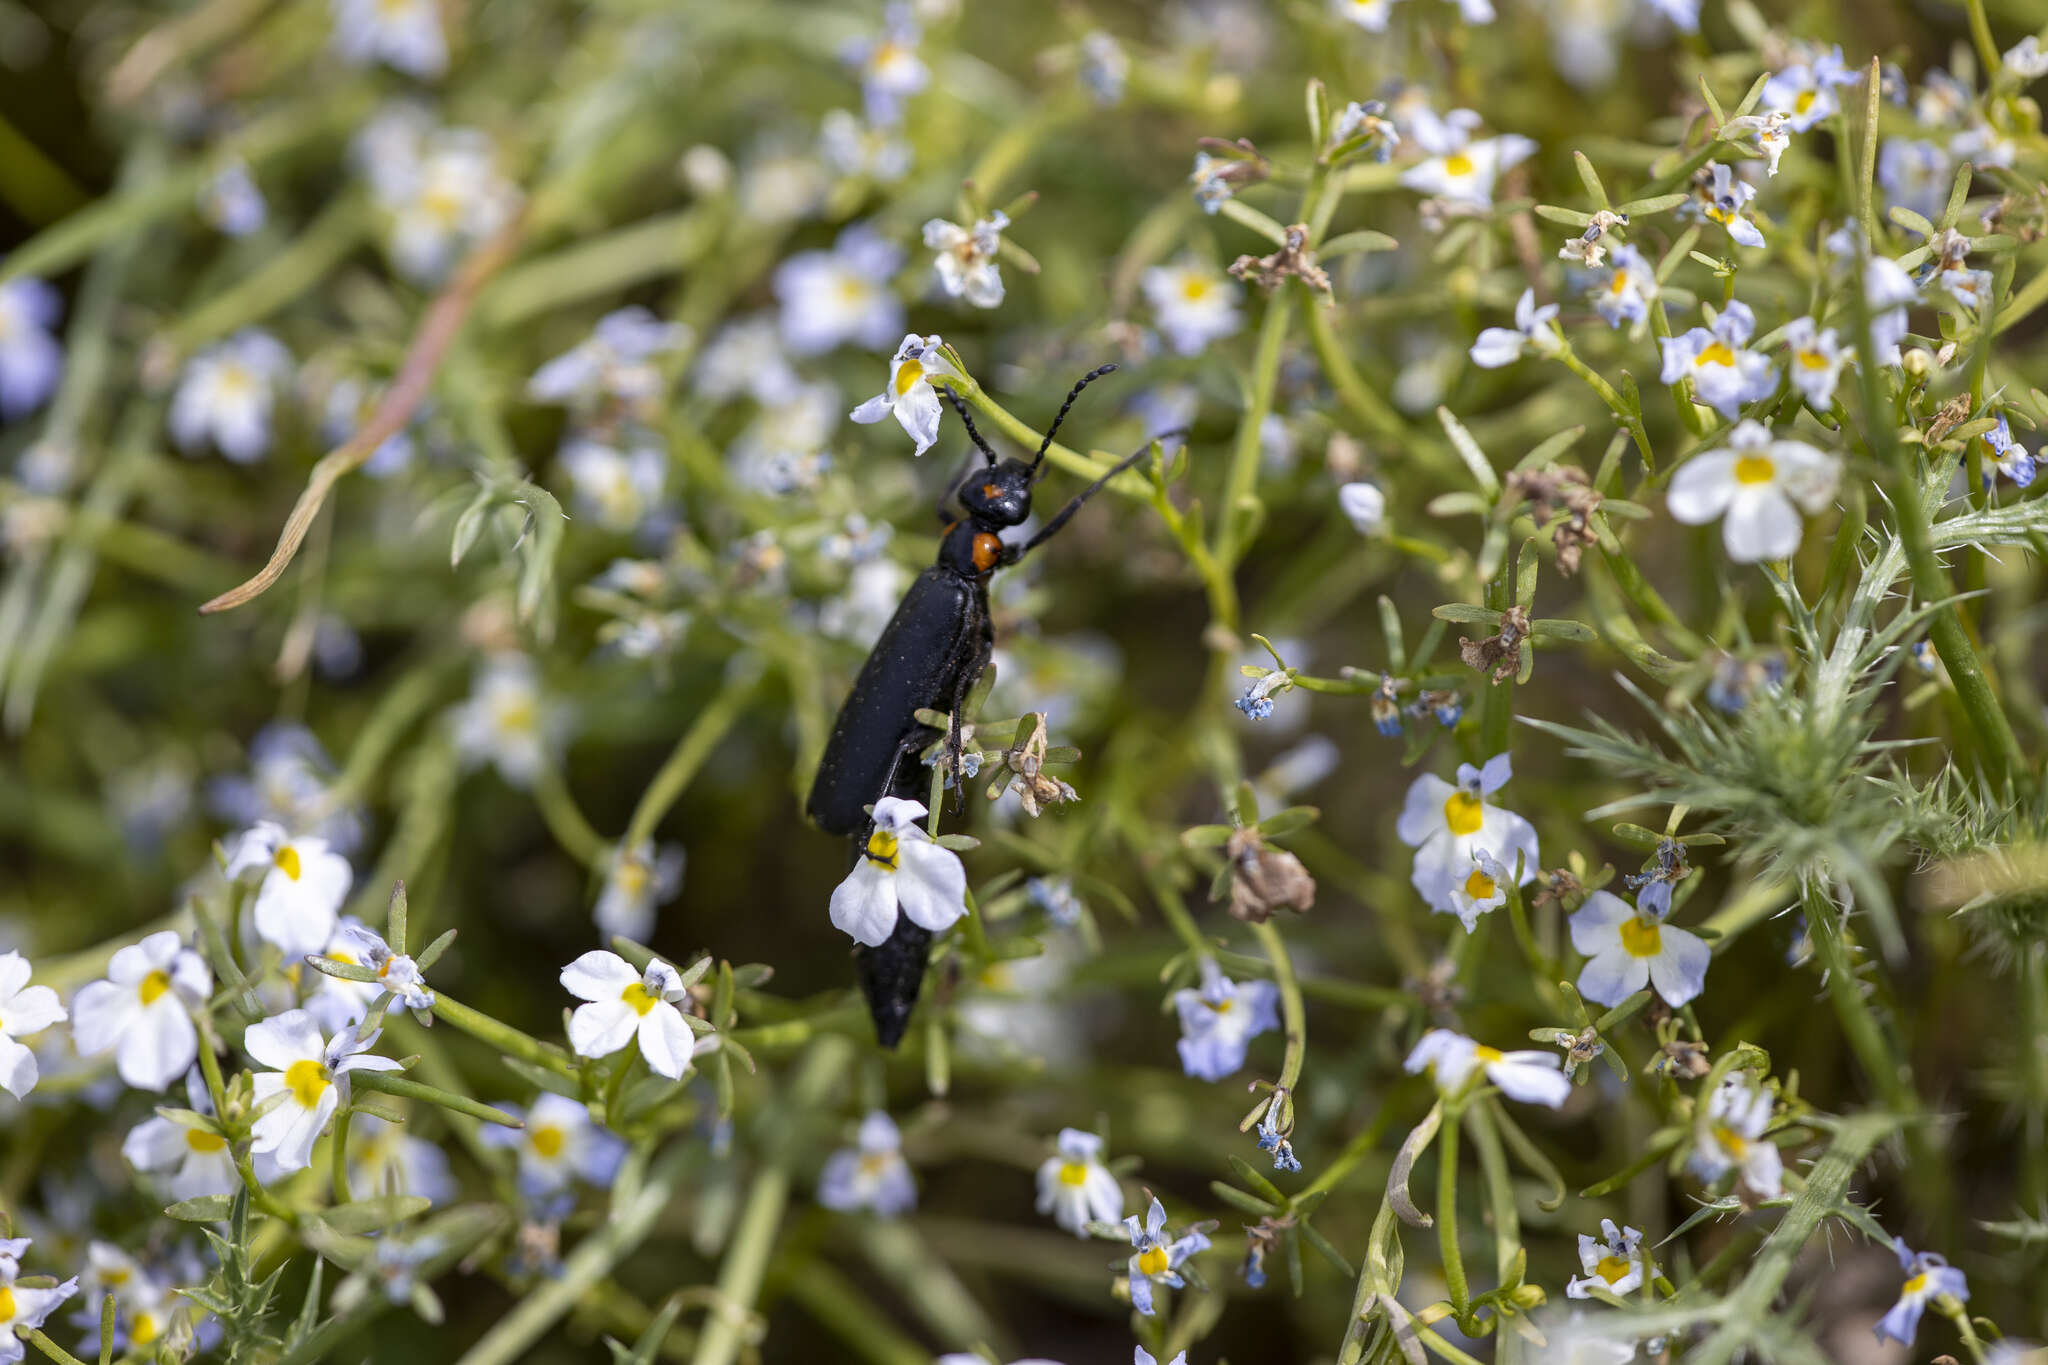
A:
(1264, 879)
(1562, 495)
(1293, 259)
(1502, 653)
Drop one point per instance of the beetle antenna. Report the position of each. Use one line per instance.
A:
(1066, 513)
(966, 420)
(1073, 393)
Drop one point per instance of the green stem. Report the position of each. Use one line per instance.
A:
(1447, 1210)
(1240, 496)
(1987, 48)
(42, 1343)
(1293, 1017)
(338, 1154)
(684, 761)
(564, 820)
(1375, 413)
(502, 1036)
(1632, 420)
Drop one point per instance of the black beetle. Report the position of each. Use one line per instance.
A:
(929, 656)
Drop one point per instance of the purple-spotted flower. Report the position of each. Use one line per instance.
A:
(1614, 1263)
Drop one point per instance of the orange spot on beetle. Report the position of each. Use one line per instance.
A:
(987, 551)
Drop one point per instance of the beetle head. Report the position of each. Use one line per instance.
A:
(999, 494)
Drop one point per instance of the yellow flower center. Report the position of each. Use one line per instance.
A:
(235, 379)
(1194, 288)
(1717, 354)
(1755, 469)
(1073, 1174)
(307, 1081)
(1479, 886)
(882, 849)
(1612, 1269)
(1457, 163)
(1487, 1054)
(1463, 813)
(1730, 1139)
(287, 860)
(143, 1330)
(1619, 283)
(154, 985)
(907, 376)
(1913, 1287)
(518, 715)
(1813, 360)
(200, 1140)
(1154, 1261)
(1220, 1006)
(548, 1141)
(1804, 101)
(633, 876)
(636, 995)
(872, 1163)
(1641, 937)
(7, 1309)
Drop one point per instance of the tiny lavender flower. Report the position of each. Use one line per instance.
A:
(1154, 1258)
(1724, 373)
(872, 1174)
(1928, 1276)
(1218, 1021)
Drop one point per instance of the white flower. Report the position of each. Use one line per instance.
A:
(1141, 1356)
(745, 356)
(227, 394)
(384, 1158)
(311, 1073)
(1732, 1139)
(1757, 484)
(1218, 1022)
(195, 1159)
(1805, 93)
(616, 488)
(831, 298)
(1459, 169)
(302, 884)
(1630, 286)
(404, 34)
(359, 945)
(23, 1308)
(1531, 1077)
(616, 361)
(853, 148)
(25, 1011)
(140, 1013)
(1615, 1263)
(1535, 329)
(1194, 304)
(624, 1005)
(439, 188)
(504, 721)
(31, 357)
(1927, 1276)
(1155, 1259)
(890, 69)
(1446, 825)
(1364, 505)
(910, 397)
(966, 259)
(1816, 361)
(1370, 15)
(2026, 59)
(1632, 948)
(637, 881)
(872, 1174)
(559, 1144)
(788, 445)
(289, 779)
(231, 202)
(1482, 890)
(1075, 1187)
(1725, 374)
(1105, 67)
(1726, 201)
(901, 870)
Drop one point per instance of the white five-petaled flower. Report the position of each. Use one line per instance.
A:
(403, 34)
(440, 189)
(1757, 484)
(626, 1004)
(910, 397)
(902, 870)
(1631, 948)
(831, 298)
(639, 880)
(398, 973)
(504, 721)
(1075, 1187)
(890, 69)
(1631, 284)
(1928, 1276)
(1482, 890)
(617, 488)
(1154, 1258)
(1218, 1021)
(1805, 91)
(560, 1143)
(311, 1072)
(23, 1307)
(1194, 304)
(1460, 169)
(31, 357)
(1816, 361)
(871, 1174)
(616, 361)
(227, 394)
(1724, 372)
(1732, 1139)
(1726, 201)
(1446, 825)
(1529, 1076)
(141, 1012)
(301, 885)
(194, 1159)
(25, 1011)
(966, 259)
(745, 357)
(1535, 329)
(1615, 1263)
